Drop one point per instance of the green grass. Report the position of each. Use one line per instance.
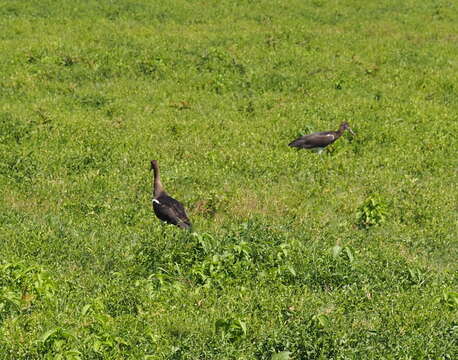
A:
(348, 255)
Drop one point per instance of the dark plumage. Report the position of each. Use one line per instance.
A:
(165, 207)
(320, 140)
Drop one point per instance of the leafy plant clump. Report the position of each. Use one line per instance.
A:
(22, 287)
(373, 212)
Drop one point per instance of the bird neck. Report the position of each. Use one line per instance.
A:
(157, 185)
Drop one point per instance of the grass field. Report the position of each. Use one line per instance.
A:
(352, 254)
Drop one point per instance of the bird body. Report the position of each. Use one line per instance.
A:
(166, 207)
(319, 140)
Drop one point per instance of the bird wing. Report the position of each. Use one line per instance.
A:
(171, 211)
(319, 139)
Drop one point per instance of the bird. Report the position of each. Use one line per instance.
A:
(319, 140)
(166, 207)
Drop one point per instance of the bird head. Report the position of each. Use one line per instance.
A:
(345, 126)
(153, 164)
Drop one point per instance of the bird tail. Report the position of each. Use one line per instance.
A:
(295, 143)
(184, 224)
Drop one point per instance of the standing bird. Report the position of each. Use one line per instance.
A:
(165, 207)
(319, 140)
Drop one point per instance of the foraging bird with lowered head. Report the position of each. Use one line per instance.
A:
(319, 140)
(165, 207)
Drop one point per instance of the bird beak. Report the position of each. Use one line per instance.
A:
(351, 131)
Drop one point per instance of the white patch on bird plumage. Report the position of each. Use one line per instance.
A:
(156, 201)
(330, 135)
